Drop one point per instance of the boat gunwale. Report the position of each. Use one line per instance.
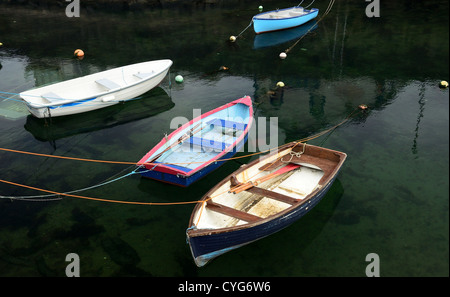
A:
(194, 232)
(312, 10)
(68, 101)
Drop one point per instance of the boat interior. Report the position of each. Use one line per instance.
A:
(205, 140)
(225, 208)
(284, 13)
(92, 85)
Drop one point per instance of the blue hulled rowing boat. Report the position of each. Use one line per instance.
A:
(282, 19)
(261, 198)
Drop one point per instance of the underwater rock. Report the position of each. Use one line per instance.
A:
(137, 222)
(44, 270)
(33, 230)
(81, 217)
(347, 218)
(10, 258)
(80, 231)
(132, 271)
(121, 252)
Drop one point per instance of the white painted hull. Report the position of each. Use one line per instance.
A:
(95, 91)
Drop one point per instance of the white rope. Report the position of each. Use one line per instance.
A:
(251, 22)
(330, 5)
(39, 197)
(296, 154)
(300, 3)
(310, 4)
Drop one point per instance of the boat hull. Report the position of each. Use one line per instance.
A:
(99, 97)
(281, 20)
(206, 248)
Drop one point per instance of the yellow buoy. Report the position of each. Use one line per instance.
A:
(280, 84)
(443, 84)
(1, 44)
(232, 38)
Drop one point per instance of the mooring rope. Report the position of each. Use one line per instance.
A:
(178, 163)
(39, 197)
(70, 194)
(330, 5)
(300, 3)
(249, 25)
(309, 4)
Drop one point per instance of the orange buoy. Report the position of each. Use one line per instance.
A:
(78, 53)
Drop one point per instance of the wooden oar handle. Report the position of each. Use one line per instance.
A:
(256, 182)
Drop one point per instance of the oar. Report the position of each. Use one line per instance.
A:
(254, 183)
(187, 135)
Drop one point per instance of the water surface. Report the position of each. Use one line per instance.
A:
(391, 197)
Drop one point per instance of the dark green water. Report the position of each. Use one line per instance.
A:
(391, 197)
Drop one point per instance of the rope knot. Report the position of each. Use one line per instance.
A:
(294, 154)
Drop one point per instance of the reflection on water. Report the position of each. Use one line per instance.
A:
(147, 105)
(391, 196)
(280, 37)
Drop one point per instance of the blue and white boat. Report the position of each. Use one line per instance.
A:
(282, 19)
(96, 90)
(261, 198)
(199, 146)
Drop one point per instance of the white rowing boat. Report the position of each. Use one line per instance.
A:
(96, 90)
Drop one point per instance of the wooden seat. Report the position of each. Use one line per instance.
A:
(231, 212)
(273, 195)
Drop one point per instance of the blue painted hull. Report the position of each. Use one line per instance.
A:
(206, 248)
(286, 20)
(243, 208)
